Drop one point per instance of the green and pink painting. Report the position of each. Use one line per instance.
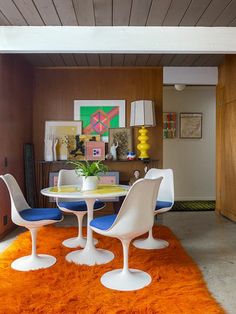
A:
(98, 116)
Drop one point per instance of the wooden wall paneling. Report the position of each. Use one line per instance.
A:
(56, 89)
(226, 134)
(16, 78)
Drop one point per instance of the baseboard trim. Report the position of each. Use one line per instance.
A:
(198, 198)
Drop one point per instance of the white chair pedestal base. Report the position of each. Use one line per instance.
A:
(77, 242)
(150, 244)
(33, 262)
(90, 256)
(132, 279)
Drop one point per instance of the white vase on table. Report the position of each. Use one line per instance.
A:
(89, 183)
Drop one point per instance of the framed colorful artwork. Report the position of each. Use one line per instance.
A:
(191, 125)
(94, 150)
(124, 138)
(76, 145)
(53, 179)
(169, 124)
(100, 115)
(59, 130)
(112, 177)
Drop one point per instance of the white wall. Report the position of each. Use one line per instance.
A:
(193, 161)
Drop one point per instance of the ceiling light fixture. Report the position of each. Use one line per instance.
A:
(179, 87)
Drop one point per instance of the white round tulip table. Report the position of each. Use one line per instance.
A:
(90, 255)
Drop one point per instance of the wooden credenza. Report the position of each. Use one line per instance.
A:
(125, 169)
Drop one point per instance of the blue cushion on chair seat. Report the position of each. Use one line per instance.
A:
(103, 223)
(163, 204)
(36, 214)
(80, 205)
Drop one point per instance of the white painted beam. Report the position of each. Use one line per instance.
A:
(66, 39)
(190, 75)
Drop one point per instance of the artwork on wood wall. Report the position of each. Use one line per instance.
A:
(191, 125)
(169, 124)
(53, 179)
(76, 145)
(124, 138)
(60, 130)
(100, 115)
(110, 178)
(94, 150)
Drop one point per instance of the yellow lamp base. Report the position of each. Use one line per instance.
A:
(143, 146)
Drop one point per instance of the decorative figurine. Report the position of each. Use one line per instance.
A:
(109, 156)
(131, 156)
(135, 177)
(55, 142)
(48, 150)
(113, 150)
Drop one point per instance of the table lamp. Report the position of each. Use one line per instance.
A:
(142, 114)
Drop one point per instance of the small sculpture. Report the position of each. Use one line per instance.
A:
(109, 156)
(55, 142)
(131, 156)
(135, 177)
(113, 150)
(50, 144)
(48, 151)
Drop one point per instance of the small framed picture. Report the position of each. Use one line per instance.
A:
(76, 145)
(53, 179)
(123, 137)
(110, 178)
(190, 125)
(169, 125)
(59, 130)
(95, 150)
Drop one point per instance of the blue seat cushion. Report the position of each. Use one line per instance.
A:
(36, 214)
(163, 204)
(80, 205)
(103, 223)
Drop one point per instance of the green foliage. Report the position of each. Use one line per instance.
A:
(89, 169)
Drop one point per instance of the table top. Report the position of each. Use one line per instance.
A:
(73, 191)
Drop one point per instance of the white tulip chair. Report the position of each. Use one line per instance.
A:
(134, 219)
(73, 206)
(164, 203)
(31, 218)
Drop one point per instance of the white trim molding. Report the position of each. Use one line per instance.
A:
(120, 39)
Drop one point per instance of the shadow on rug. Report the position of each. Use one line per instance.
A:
(177, 285)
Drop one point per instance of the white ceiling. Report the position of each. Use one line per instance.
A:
(119, 13)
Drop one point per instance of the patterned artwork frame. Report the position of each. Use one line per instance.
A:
(59, 130)
(169, 125)
(124, 137)
(111, 177)
(190, 125)
(100, 115)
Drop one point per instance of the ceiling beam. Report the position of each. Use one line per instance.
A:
(122, 39)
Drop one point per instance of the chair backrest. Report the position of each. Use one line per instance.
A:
(166, 191)
(18, 202)
(136, 214)
(68, 177)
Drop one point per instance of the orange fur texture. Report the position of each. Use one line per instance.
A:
(177, 285)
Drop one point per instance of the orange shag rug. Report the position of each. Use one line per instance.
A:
(177, 285)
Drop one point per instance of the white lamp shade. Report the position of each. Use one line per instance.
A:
(142, 113)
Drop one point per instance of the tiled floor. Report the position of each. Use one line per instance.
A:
(211, 241)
